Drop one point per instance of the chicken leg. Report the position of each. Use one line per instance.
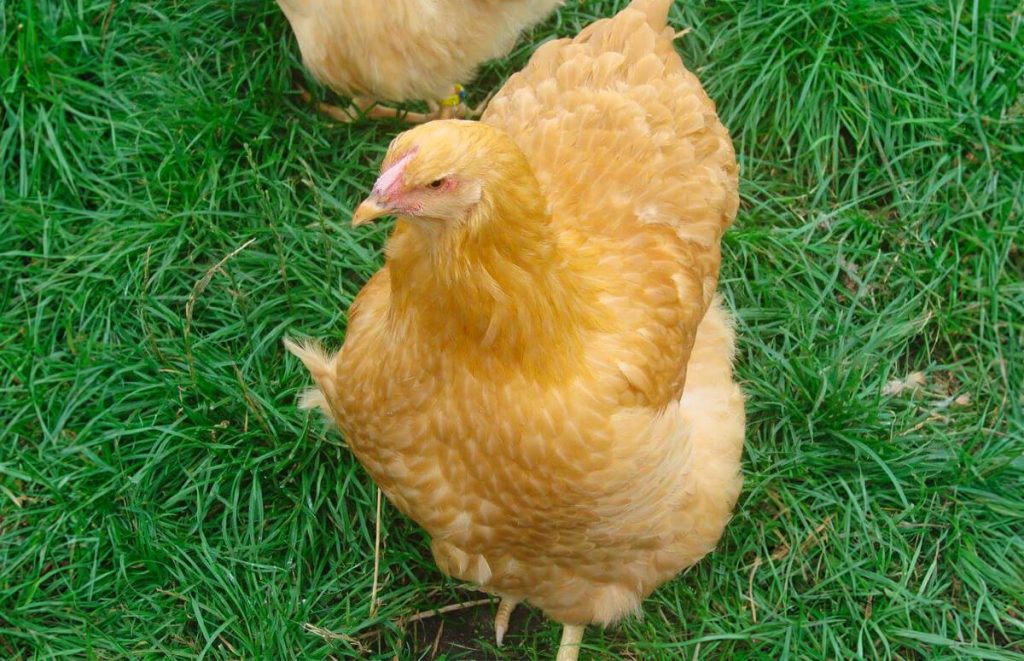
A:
(505, 609)
(451, 106)
(455, 106)
(569, 648)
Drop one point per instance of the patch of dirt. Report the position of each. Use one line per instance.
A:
(468, 633)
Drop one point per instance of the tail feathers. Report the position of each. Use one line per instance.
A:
(312, 356)
(313, 399)
(656, 11)
(320, 367)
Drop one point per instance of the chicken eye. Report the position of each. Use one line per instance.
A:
(437, 183)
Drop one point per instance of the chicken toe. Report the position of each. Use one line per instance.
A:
(372, 109)
(569, 648)
(454, 106)
(505, 609)
(341, 114)
(361, 107)
(473, 113)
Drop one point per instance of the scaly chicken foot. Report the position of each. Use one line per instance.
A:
(461, 110)
(370, 108)
(569, 648)
(454, 107)
(480, 107)
(361, 107)
(450, 108)
(505, 609)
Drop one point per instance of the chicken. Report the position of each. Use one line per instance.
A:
(541, 374)
(405, 50)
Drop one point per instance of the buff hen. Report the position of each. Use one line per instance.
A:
(405, 50)
(541, 374)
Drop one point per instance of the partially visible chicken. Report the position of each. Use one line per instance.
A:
(541, 374)
(405, 50)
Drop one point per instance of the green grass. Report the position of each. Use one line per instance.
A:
(160, 494)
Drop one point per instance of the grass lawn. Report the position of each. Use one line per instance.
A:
(170, 210)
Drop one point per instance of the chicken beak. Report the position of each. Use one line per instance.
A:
(368, 211)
